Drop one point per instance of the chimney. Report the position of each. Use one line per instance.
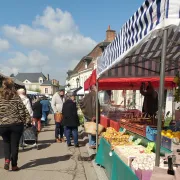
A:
(110, 34)
(48, 77)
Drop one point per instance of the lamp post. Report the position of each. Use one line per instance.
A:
(77, 81)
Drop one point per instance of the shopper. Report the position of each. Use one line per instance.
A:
(150, 104)
(37, 113)
(70, 119)
(57, 104)
(88, 106)
(26, 101)
(13, 116)
(45, 109)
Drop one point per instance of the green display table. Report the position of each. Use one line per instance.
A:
(116, 169)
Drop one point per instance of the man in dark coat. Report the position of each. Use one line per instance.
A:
(150, 104)
(70, 119)
(88, 107)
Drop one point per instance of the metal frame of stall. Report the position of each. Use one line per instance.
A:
(167, 16)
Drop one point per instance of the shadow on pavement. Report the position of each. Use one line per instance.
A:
(49, 141)
(83, 158)
(45, 161)
(83, 143)
(40, 147)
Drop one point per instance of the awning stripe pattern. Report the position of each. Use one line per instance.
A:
(143, 24)
(145, 61)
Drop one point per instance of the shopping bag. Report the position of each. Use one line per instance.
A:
(58, 117)
(90, 128)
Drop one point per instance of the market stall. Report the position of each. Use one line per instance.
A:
(147, 46)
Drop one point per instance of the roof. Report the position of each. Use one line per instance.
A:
(47, 83)
(16, 81)
(32, 77)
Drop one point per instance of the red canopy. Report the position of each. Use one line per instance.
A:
(132, 83)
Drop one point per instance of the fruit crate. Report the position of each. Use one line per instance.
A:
(151, 133)
(167, 143)
(135, 128)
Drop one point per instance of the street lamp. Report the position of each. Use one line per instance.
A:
(77, 81)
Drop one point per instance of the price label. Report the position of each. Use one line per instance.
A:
(131, 138)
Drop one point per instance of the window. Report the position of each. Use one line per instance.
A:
(40, 80)
(46, 90)
(86, 65)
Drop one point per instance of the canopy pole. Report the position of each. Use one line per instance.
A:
(97, 114)
(161, 96)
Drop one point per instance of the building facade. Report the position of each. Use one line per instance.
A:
(87, 64)
(38, 82)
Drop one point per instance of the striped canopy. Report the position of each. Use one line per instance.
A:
(136, 50)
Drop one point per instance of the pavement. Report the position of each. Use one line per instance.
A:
(53, 161)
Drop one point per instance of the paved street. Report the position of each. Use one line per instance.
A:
(53, 161)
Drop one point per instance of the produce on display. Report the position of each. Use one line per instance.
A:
(146, 162)
(177, 90)
(116, 138)
(128, 153)
(149, 147)
(170, 134)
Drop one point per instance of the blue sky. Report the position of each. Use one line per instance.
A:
(87, 21)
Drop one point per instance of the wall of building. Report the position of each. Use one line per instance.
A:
(32, 86)
(46, 87)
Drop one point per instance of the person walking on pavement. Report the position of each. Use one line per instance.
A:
(45, 109)
(37, 113)
(70, 119)
(13, 116)
(57, 104)
(88, 106)
(25, 100)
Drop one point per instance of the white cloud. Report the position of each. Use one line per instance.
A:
(53, 33)
(4, 45)
(7, 70)
(33, 59)
(56, 21)
(27, 36)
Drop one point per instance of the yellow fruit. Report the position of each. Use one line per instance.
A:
(168, 134)
(163, 134)
(170, 131)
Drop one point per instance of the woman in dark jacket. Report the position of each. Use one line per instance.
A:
(70, 119)
(37, 113)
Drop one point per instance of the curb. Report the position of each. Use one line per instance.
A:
(100, 171)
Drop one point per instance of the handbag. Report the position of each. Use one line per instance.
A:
(90, 128)
(58, 117)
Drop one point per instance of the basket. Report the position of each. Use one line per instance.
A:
(90, 128)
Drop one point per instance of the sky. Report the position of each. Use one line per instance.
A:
(51, 36)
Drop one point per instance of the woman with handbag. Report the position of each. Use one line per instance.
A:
(13, 116)
(57, 104)
(70, 119)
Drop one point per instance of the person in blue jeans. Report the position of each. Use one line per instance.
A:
(70, 119)
(45, 109)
